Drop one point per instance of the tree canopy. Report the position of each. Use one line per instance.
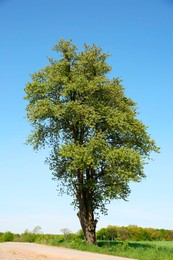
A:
(98, 145)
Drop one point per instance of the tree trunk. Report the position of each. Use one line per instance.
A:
(86, 210)
(88, 225)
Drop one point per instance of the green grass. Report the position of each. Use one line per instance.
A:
(140, 250)
(168, 244)
(137, 250)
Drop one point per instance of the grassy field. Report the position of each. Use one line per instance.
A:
(168, 244)
(138, 250)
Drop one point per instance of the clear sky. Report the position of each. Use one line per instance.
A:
(139, 36)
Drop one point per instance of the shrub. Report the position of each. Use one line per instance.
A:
(80, 234)
(28, 237)
(7, 236)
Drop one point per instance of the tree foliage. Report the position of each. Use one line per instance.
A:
(98, 145)
(134, 233)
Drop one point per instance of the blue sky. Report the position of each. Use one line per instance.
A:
(139, 36)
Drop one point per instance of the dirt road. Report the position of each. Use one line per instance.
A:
(29, 251)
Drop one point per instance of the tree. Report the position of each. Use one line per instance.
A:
(37, 230)
(98, 145)
(67, 233)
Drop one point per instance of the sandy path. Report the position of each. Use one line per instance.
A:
(29, 251)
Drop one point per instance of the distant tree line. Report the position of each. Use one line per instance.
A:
(134, 233)
(110, 233)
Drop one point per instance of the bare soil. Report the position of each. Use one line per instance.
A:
(29, 251)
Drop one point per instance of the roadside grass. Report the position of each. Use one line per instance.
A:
(140, 250)
(147, 250)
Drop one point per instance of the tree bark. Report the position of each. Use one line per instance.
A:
(86, 210)
(88, 226)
